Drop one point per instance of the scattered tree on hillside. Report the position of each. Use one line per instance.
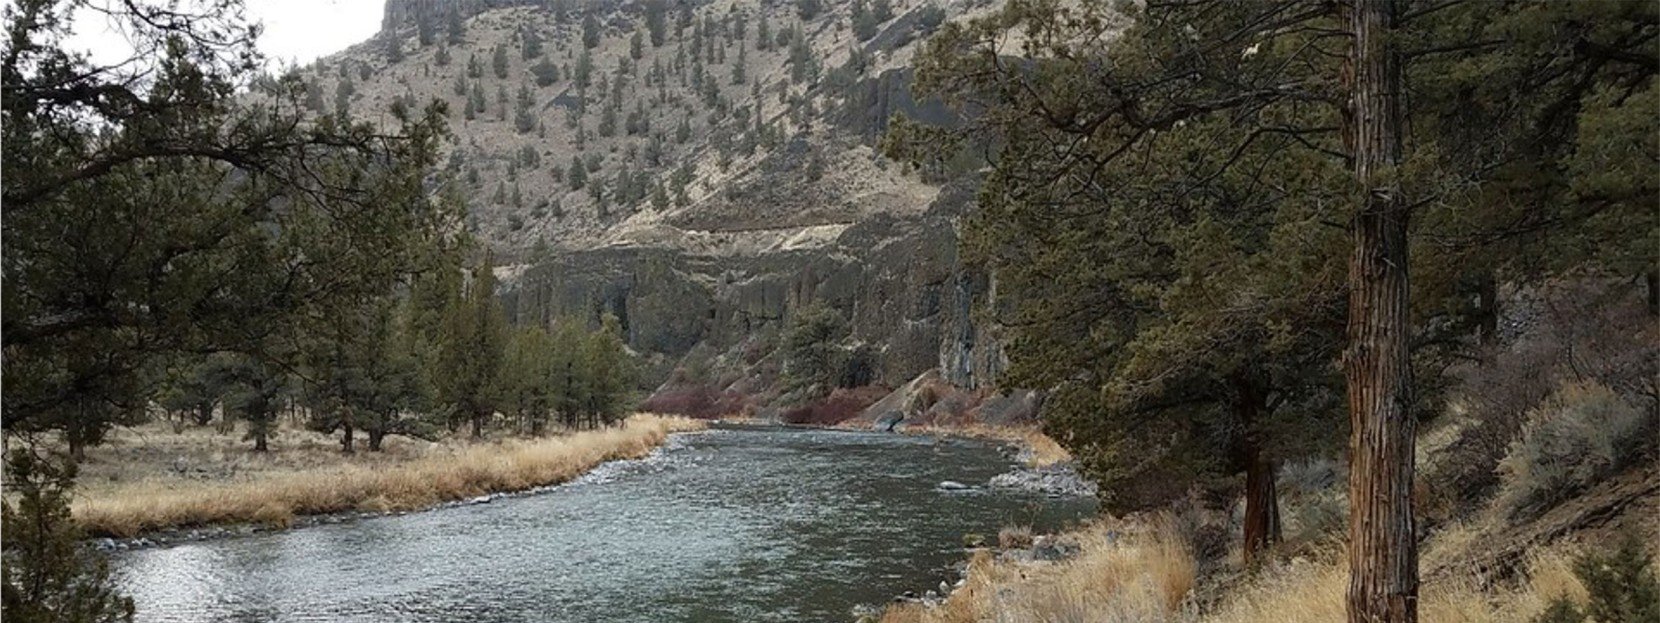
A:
(657, 21)
(530, 43)
(498, 62)
(524, 117)
(808, 9)
(545, 71)
(454, 28)
(591, 32)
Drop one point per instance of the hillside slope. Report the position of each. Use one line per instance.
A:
(702, 170)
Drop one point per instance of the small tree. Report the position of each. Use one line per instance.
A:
(591, 32)
(812, 346)
(49, 574)
(498, 61)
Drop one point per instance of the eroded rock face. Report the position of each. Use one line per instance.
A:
(897, 279)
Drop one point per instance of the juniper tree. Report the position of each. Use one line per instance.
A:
(50, 572)
(524, 119)
(577, 175)
(591, 32)
(257, 388)
(528, 381)
(606, 366)
(470, 348)
(454, 28)
(545, 71)
(498, 61)
(657, 21)
(530, 43)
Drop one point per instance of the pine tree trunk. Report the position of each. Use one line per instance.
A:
(478, 425)
(376, 436)
(260, 444)
(346, 440)
(1383, 556)
(1262, 508)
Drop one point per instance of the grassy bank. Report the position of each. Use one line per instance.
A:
(408, 479)
(1148, 572)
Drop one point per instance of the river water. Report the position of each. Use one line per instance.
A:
(733, 524)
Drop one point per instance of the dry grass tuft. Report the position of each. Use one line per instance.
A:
(1308, 592)
(1141, 575)
(1014, 536)
(514, 465)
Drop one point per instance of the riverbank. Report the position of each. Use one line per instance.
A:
(275, 491)
(1113, 570)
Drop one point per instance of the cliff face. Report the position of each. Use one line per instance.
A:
(701, 170)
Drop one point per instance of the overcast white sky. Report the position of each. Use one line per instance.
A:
(296, 31)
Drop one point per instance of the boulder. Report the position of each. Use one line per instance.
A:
(888, 422)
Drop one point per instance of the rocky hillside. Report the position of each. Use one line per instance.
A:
(702, 170)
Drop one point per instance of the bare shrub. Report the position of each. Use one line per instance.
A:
(1576, 437)
(841, 405)
(1570, 332)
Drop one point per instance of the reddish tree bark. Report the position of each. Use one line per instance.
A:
(1383, 557)
(1262, 505)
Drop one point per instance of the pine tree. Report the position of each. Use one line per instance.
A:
(656, 21)
(609, 372)
(530, 42)
(545, 71)
(577, 176)
(255, 398)
(498, 62)
(864, 22)
(584, 72)
(808, 9)
(524, 119)
(591, 32)
(50, 573)
(455, 28)
(392, 44)
(470, 350)
(739, 67)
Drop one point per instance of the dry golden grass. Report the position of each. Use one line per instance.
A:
(133, 508)
(1143, 574)
(1313, 591)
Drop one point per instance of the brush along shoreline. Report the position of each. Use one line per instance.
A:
(147, 514)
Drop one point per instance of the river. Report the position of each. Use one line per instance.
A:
(733, 524)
